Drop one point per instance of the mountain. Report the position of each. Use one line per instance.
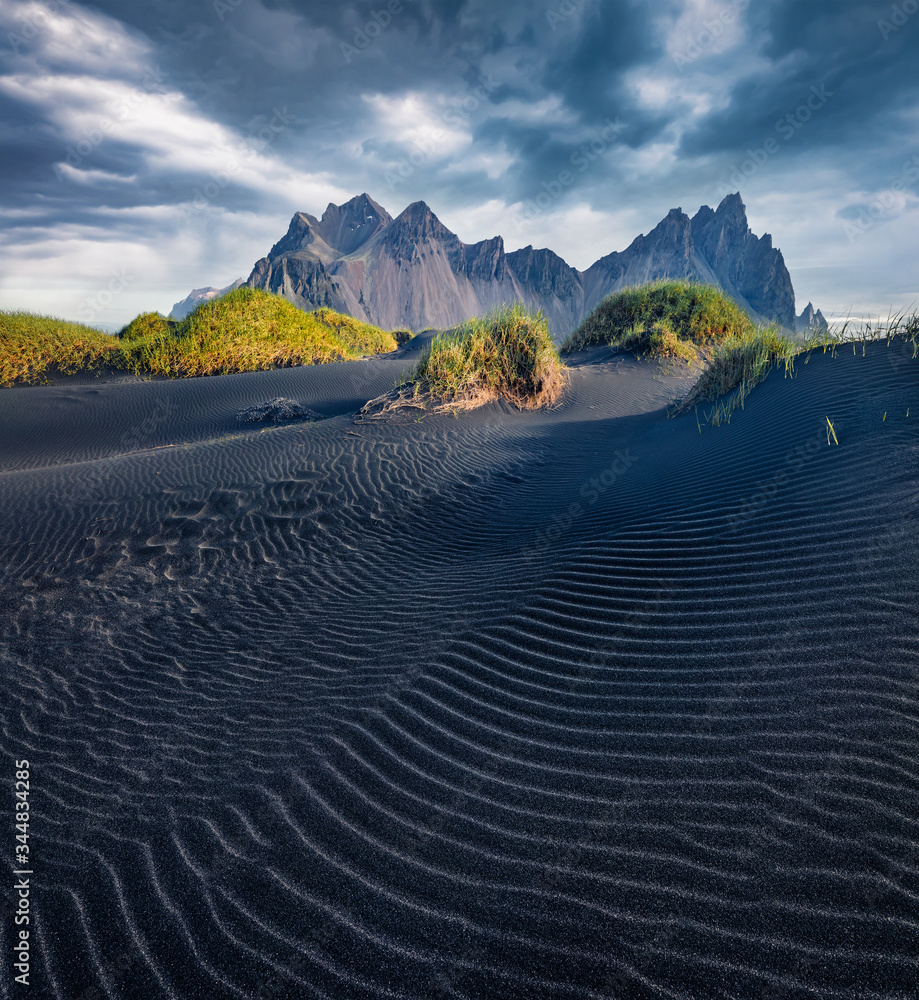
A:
(412, 272)
(810, 321)
(405, 272)
(198, 295)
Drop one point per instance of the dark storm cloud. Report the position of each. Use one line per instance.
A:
(588, 72)
(236, 60)
(517, 90)
(241, 62)
(235, 57)
(838, 48)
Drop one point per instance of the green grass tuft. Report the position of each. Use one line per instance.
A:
(251, 330)
(32, 347)
(740, 362)
(146, 325)
(663, 318)
(247, 330)
(664, 343)
(694, 322)
(691, 322)
(508, 354)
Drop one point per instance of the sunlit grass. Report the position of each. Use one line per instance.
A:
(508, 354)
(662, 318)
(251, 330)
(700, 323)
(247, 330)
(33, 346)
(739, 363)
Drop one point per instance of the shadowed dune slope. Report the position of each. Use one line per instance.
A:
(581, 704)
(79, 420)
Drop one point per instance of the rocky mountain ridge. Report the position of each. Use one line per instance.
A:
(810, 320)
(412, 272)
(198, 295)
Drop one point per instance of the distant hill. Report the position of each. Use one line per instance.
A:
(198, 295)
(412, 272)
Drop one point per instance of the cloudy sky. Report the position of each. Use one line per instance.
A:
(152, 147)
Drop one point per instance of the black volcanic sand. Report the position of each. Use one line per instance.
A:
(582, 703)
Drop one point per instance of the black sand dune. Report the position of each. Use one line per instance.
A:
(573, 704)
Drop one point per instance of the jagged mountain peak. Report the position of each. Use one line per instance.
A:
(302, 231)
(416, 206)
(811, 320)
(349, 226)
(732, 212)
(540, 252)
(732, 203)
(704, 214)
(412, 271)
(360, 208)
(672, 229)
(416, 212)
(418, 222)
(748, 267)
(359, 202)
(543, 272)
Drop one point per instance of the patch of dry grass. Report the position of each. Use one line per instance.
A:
(32, 347)
(251, 330)
(247, 330)
(508, 354)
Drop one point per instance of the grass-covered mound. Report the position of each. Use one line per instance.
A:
(31, 346)
(247, 330)
(664, 319)
(740, 362)
(508, 354)
(146, 325)
(251, 330)
(694, 322)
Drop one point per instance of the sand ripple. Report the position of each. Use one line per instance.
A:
(339, 711)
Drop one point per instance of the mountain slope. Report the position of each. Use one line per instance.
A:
(198, 295)
(413, 272)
